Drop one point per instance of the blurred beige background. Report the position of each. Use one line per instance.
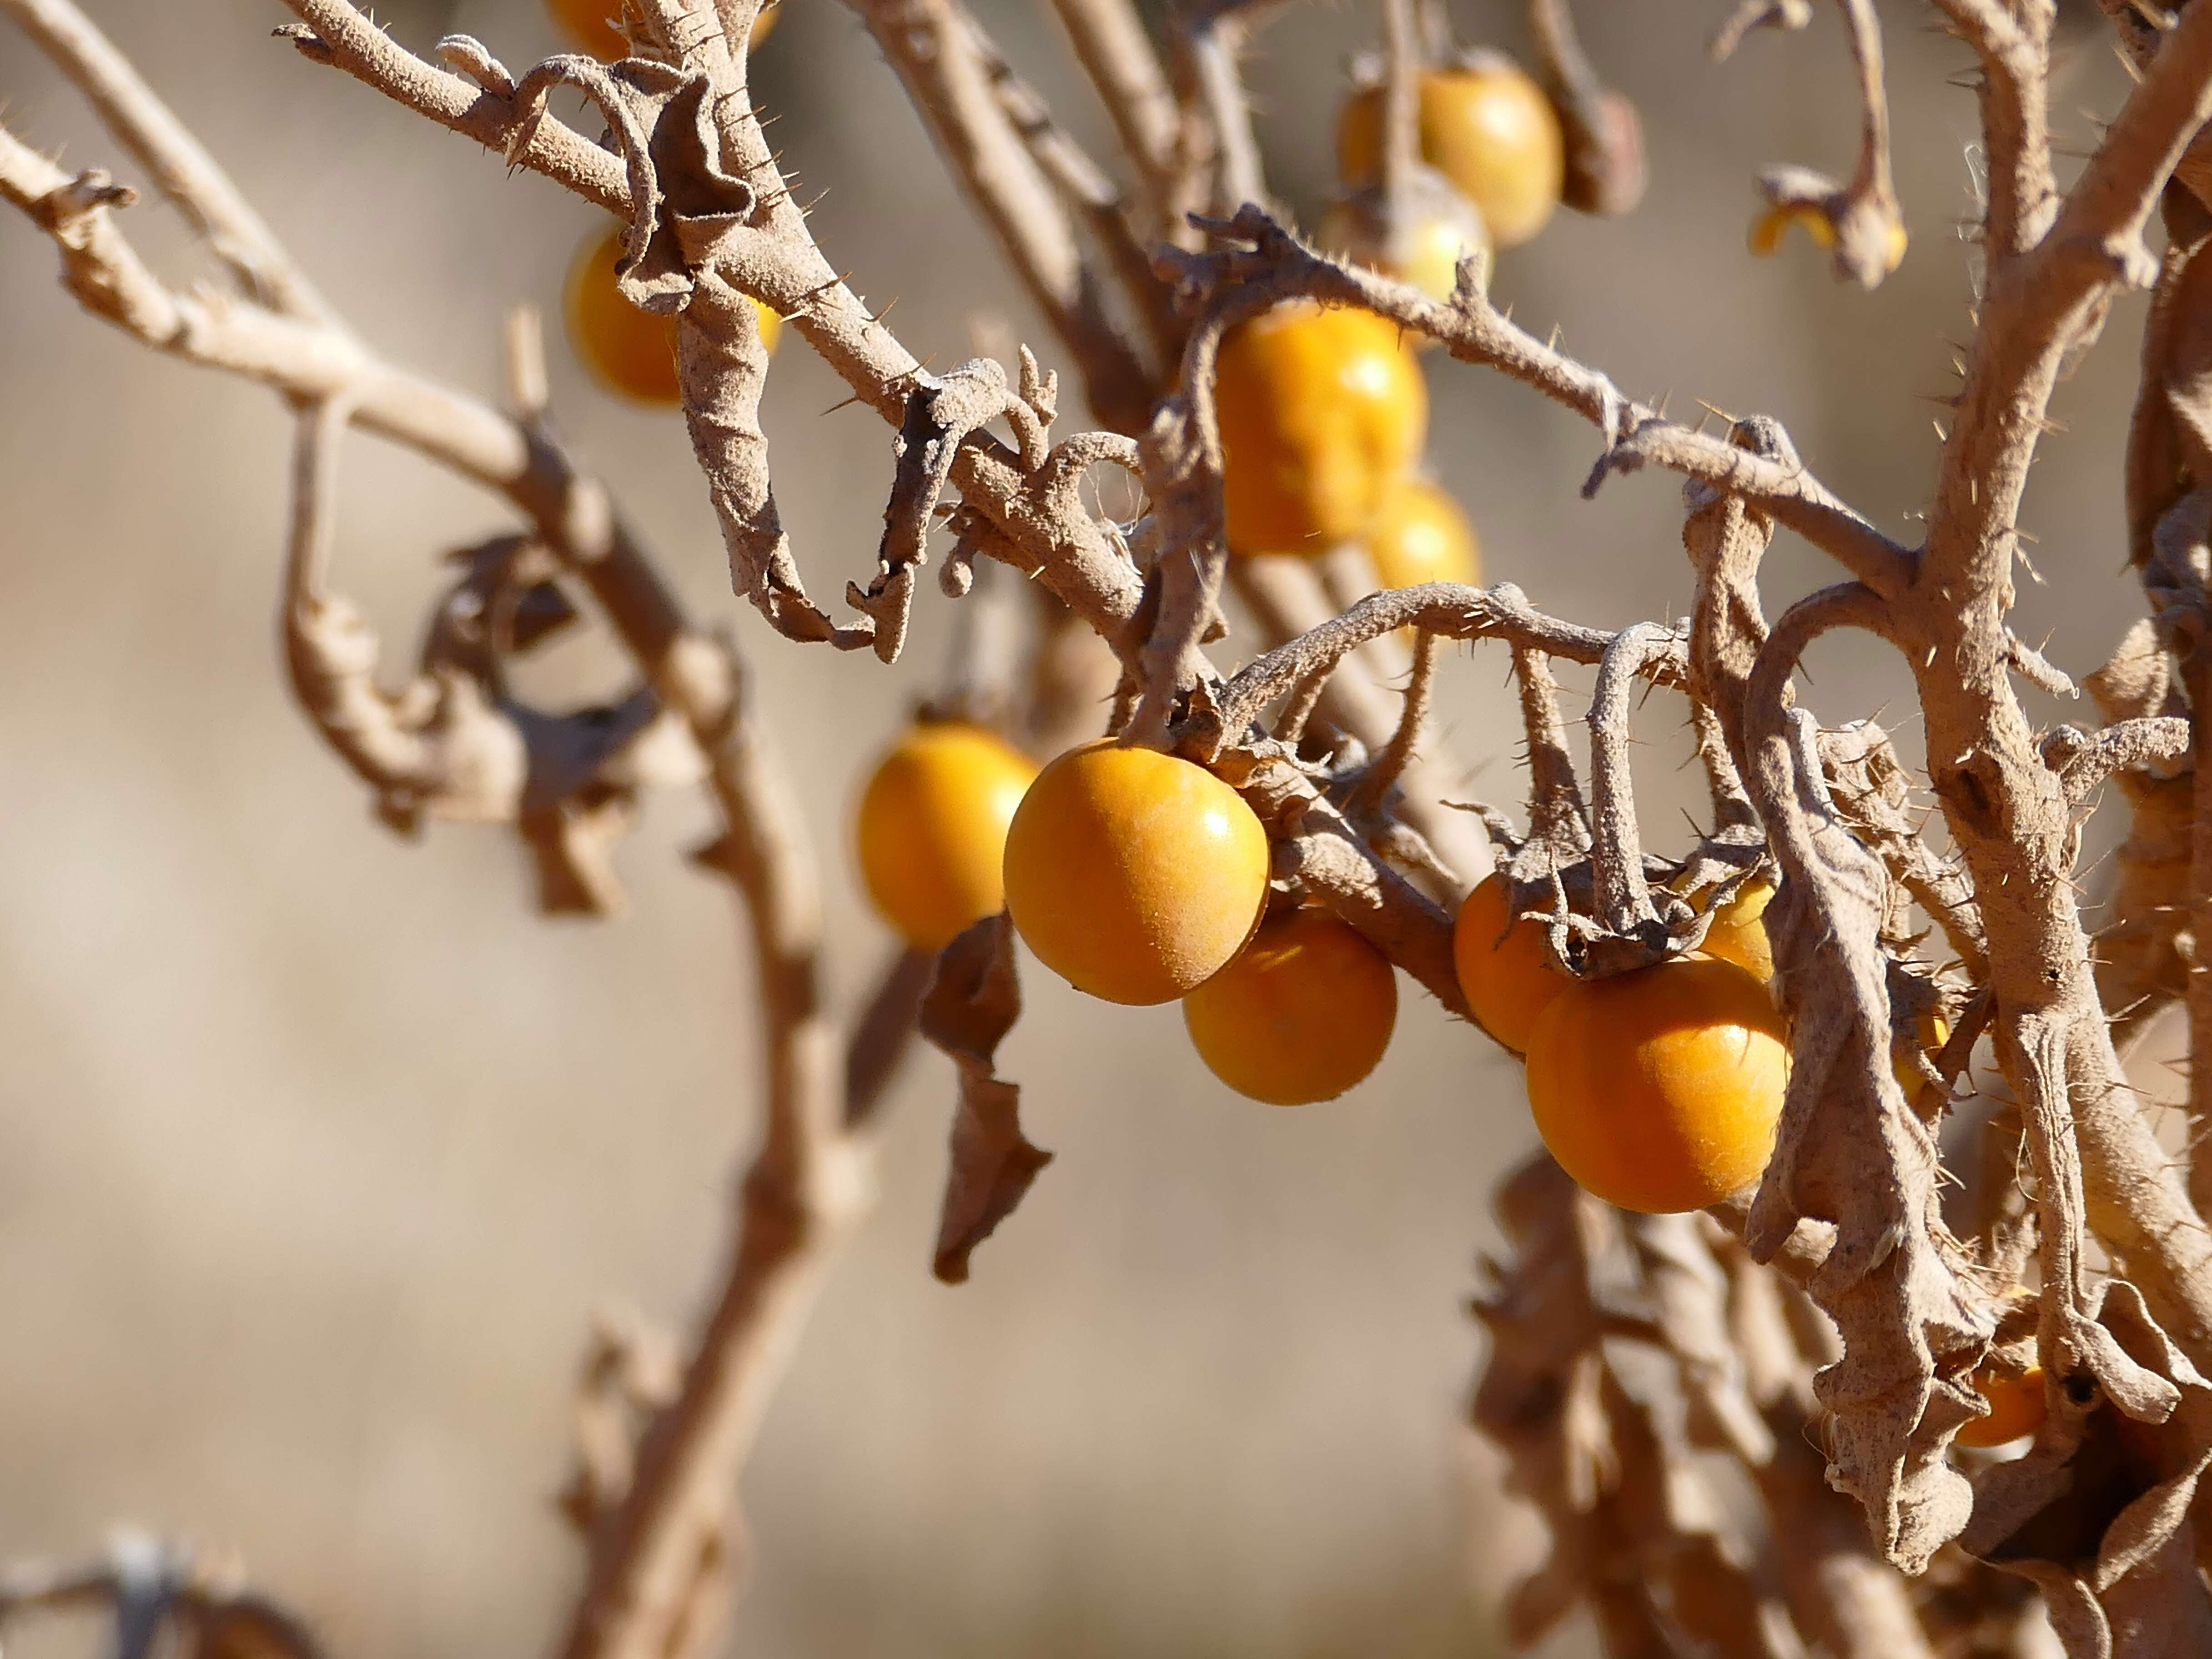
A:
(317, 1149)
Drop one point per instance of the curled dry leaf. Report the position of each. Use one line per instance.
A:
(971, 1004)
(455, 743)
(1610, 1370)
(2098, 1515)
(1849, 1151)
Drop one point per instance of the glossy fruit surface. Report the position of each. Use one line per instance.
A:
(591, 25)
(1505, 974)
(1133, 875)
(629, 350)
(1422, 535)
(1659, 1089)
(1488, 128)
(2017, 1407)
(1322, 411)
(933, 829)
(1303, 1013)
(1738, 934)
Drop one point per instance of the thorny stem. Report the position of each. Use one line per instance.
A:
(1285, 598)
(1624, 897)
(1473, 330)
(158, 142)
(942, 56)
(662, 1560)
(1382, 773)
(2014, 45)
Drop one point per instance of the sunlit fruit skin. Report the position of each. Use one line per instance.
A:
(2018, 1406)
(1659, 1089)
(590, 24)
(629, 350)
(1422, 535)
(931, 828)
(1303, 1012)
(1133, 875)
(1489, 130)
(1322, 411)
(1426, 253)
(1505, 973)
(1738, 933)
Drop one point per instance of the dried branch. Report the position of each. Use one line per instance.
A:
(663, 1560)
(1279, 265)
(942, 58)
(180, 168)
(2012, 43)
(1040, 525)
(1284, 595)
(1116, 53)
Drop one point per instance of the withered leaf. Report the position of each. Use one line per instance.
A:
(971, 1004)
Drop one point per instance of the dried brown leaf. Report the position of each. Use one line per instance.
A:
(969, 1007)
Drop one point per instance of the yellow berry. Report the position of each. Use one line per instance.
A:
(2017, 1406)
(629, 350)
(1303, 1012)
(1504, 971)
(1321, 412)
(1738, 933)
(1659, 1089)
(1489, 128)
(1422, 535)
(933, 829)
(1133, 875)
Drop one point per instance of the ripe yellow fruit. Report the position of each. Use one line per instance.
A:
(1441, 228)
(1488, 128)
(629, 350)
(1422, 535)
(1505, 972)
(1322, 411)
(1659, 1089)
(933, 829)
(1738, 934)
(2018, 1406)
(1303, 1013)
(1133, 875)
(591, 25)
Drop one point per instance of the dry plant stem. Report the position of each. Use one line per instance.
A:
(660, 1562)
(152, 1590)
(934, 46)
(1635, 435)
(1447, 610)
(1043, 531)
(1115, 52)
(1401, 140)
(2013, 43)
(2005, 808)
(1623, 895)
(158, 142)
(1287, 601)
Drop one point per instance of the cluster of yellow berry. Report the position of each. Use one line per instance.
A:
(1323, 412)
(1138, 878)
